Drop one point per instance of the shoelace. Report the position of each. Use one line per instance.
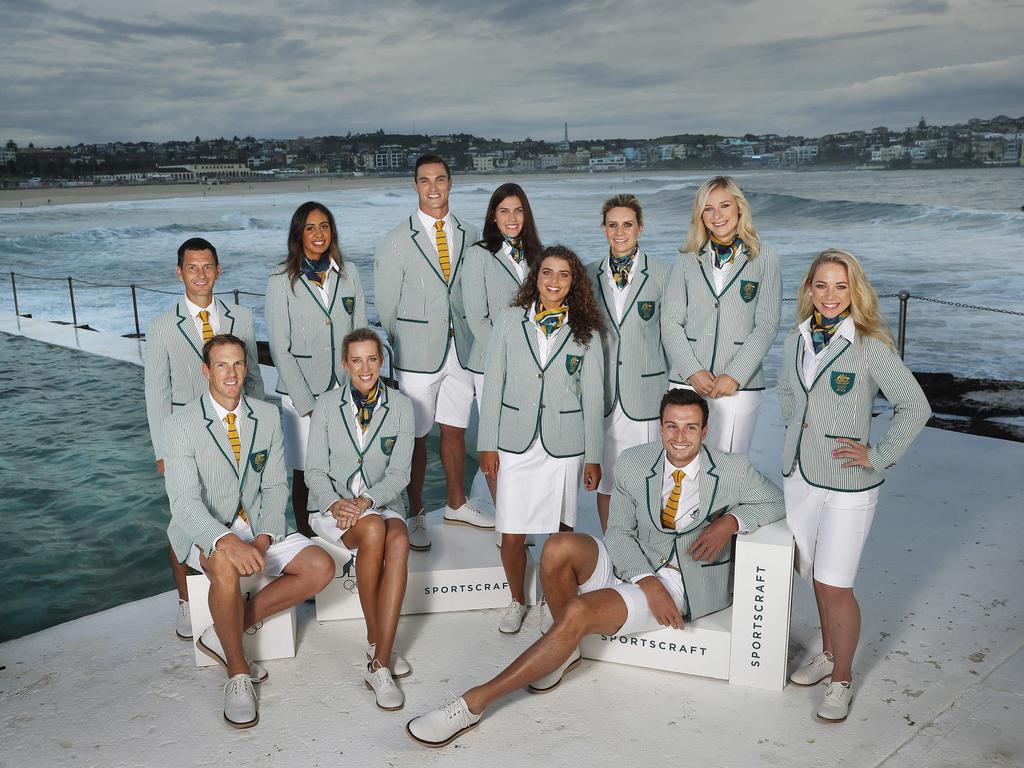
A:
(417, 523)
(514, 608)
(238, 685)
(835, 689)
(382, 680)
(453, 708)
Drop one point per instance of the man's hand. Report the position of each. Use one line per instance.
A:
(348, 511)
(247, 558)
(489, 463)
(591, 476)
(160, 467)
(725, 385)
(702, 382)
(713, 539)
(262, 543)
(660, 602)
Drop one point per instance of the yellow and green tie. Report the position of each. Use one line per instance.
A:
(236, 446)
(442, 250)
(668, 514)
(204, 315)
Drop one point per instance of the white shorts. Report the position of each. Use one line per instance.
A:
(620, 433)
(296, 434)
(731, 420)
(638, 613)
(326, 527)
(278, 555)
(829, 527)
(445, 397)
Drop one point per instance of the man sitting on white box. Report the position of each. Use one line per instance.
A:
(225, 476)
(674, 509)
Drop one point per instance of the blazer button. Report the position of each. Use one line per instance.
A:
(542, 406)
(620, 362)
(540, 375)
(805, 425)
(359, 460)
(716, 305)
(327, 322)
(664, 561)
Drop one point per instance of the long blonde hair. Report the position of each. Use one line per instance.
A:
(699, 234)
(863, 299)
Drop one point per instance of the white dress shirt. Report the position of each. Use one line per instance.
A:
(518, 266)
(809, 363)
(213, 309)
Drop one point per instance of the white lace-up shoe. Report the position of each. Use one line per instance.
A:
(419, 539)
(814, 671)
(183, 624)
(550, 681)
(442, 726)
(546, 619)
(836, 704)
(209, 644)
(378, 679)
(240, 702)
(512, 619)
(467, 514)
(399, 666)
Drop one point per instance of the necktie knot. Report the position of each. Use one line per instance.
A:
(230, 419)
(678, 475)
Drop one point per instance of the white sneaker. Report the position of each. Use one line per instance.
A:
(512, 619)
(814, 671)
(836, 704)
(546, 619)
(240, 702)
(419, 539)
(183, 624)
(378, 679)
(442, 726)
(399, 666)
(550, 681)
(469, 515)
(209, 644)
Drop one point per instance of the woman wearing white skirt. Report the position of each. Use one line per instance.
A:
(721, 314)
(833, 364)
(311, 304)
(357, 465)
(540, 414)
(629, 288)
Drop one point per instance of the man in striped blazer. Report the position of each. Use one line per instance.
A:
(174, 358)
(665, 558)
(225, 477)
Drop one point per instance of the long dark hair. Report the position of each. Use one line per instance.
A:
(584, 315)
(528, 236)
(293, 261)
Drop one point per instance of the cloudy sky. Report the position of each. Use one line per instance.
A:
(115, 70)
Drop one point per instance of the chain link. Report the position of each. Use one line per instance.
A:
(962, 305)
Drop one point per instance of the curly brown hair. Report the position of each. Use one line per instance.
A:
(584, 315)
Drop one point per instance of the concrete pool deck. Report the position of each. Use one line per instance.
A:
(940, 671)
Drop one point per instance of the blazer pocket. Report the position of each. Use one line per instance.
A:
(574, 410)
(717, 562)
(410, 320)
(690, 338)
(651, 375)
(510, 407)
(844, 437)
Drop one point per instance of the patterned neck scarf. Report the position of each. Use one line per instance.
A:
(620, 266)
(550, 320)
(365, 404)
(823, 328)
(517, 248)
(317, 270)
(724, 253)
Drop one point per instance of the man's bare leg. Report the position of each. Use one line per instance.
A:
(567, 560)
(180, 572)
(308, 572)
(453, 459)
(226, 609)
(417, 475)
(300, 501)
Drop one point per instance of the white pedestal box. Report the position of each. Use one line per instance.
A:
(461, 571)
(273, 639)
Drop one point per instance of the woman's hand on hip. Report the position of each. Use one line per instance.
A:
(852, 450)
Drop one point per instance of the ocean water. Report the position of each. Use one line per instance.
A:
(955, 235)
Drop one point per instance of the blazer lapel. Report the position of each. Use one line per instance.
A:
(314, 293)
(187, 326)
(531, 340)
(835, 348)
(635, 286)
(219, 435)
(380, 413)
(228, 320)
(707, 480)
(424, 245)
(654, 483)
(456, 248)
(604, 290)
(502, 259)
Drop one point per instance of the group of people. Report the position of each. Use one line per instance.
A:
(640, 381)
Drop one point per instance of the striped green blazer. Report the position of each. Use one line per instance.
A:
(305, 336)
(558, 402)
(838, 404)
(206, 486)
(489, 281)
(637, 544)
(415, 304)
(728, 332)
(173, 357)
(635, 373)
(334, 457)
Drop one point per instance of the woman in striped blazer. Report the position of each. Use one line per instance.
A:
(541, 410)
(834, 362)
(312, 302)
(721, 312)
(494, 269)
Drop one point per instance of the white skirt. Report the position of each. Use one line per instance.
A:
(536, 492)
(296, 435)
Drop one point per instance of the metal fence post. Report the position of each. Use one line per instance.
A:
(135, 309)
(904, 295)
(74, 312)
(236, 297)
(14, 290)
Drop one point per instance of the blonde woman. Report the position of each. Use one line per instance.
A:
(834, 363)
(721, 312)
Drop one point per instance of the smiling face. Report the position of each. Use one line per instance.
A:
(622, 230)
(554, 279)
(226, 374)
(509, 216)
(830, 289)
(316, 235)
(432, 186)
(721, 215)
(363, 362)
(199, 272)
(682, 433)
